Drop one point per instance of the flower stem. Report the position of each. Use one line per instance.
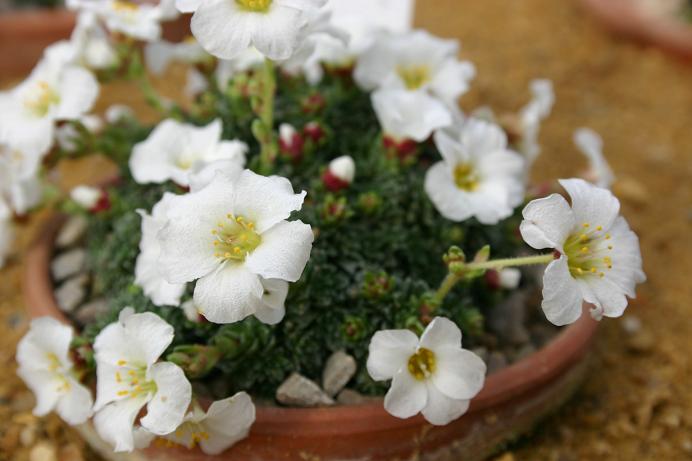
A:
(455, 277)
(265, 135)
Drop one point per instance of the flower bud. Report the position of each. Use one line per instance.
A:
(377, 284)
(90, 198)
(340, 173)
(314, 132)
(313, 103)
(401, 148)
(369, 202)
(290, 142)
(507, 278)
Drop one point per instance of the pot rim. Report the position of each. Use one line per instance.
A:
(623, 17)
(531, 372)
(26, 23)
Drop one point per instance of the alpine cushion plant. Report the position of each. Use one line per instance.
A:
(289, 214)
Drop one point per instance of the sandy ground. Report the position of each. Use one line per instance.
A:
(636, 402)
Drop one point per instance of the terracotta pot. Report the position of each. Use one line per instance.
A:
(25, 34)
(511, 402)
(625, 18)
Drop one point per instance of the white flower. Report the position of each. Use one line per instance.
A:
(227, 28)
(415, 61)
(141, 21)
(591, 145)
(159, 55)
(225, 423)
(88, 46)
(230, 236)
(478, 176)
(147, 273)
(599, 259)
(52, 92)
(433, 376)
(129, 377)
(409, 114)
(86, 196)
(19, 182)
(6, 232)
(174, 150)
(532, 115)
(45, 366)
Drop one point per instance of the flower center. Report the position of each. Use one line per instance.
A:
(125, 6)
(588, 252)
(422, 364)
(196, 431)
(414, 77)
(53, 361)
(254, 6)
(185, 161)
(465, 177)
(40, 98)
(235, 238)
(133, 380)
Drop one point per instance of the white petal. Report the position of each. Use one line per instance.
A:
(142, 438)
(389, 352)
(78, 92)
(114, 422)
(452, 202)
(450, 149)
(452, 80)
(591, 204)
(272, 310)
(221, 28)
(459, 373)
(153, 160)
(441, 332)
(406, 396)
(229, 294)
(479, 137)
(442, 410)
(607, 297)
(283, 253)
(627, 259)
(562, 297)
(187, 6)
(152, 282)
(45, 387)
(149, 333)
(227, 422)
(265, 201)
(202, 177)
(139, 338)
(167, 408)
(547, 222)
(75, 406)
(46, 336)
(275, 34)
(409, 114)
(591, 145)
(187, 242)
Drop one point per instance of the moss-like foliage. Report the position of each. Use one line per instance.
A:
(376, 256)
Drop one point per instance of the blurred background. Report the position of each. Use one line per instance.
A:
(620, 67)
